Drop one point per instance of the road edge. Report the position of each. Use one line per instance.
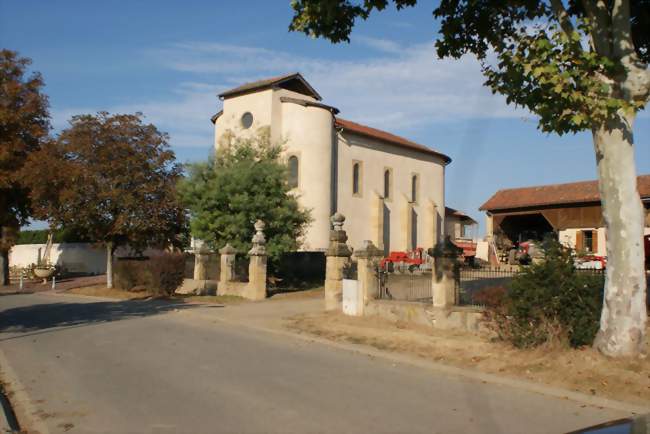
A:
(22, 404)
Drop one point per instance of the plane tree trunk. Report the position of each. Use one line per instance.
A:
(623, 318)
(109, 265)
(4, 267)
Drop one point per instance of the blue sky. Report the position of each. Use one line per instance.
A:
(169, 60)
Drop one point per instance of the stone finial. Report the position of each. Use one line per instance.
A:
(259, 240)
(338, 238)
(337, 221)
(227, 250)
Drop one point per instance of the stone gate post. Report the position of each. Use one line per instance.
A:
(256, 288)
(443, 285)
(338, 255)
(201, 258)
(227, 271)
(367, 261)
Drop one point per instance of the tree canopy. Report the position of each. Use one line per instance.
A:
(111, 179)
(573, 64)
(246, 181)
(24, 125)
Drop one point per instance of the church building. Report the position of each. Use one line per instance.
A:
(390, 189)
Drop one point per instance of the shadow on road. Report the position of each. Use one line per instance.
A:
(45, 316)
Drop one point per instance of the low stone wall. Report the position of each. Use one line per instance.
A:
(412, 312)
(239, 289)
(452, 318)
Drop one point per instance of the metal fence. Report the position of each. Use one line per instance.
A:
(407, 286)
(471, 281)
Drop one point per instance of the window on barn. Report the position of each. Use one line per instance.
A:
(293, 171)
(588, 241)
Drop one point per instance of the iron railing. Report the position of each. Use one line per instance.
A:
(407, 286)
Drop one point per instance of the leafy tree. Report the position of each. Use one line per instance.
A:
(246, 181)
(24, 124)
(111, 179)
(577, 65)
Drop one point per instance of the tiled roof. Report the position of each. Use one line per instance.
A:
(554, 194)
(387, 137)
(455, 213)
(270, 82)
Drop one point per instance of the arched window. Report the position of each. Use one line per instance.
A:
(356, 169)
(387, 182)
(414, 188)
(293, 171)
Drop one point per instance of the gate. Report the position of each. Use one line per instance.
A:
(405, 286)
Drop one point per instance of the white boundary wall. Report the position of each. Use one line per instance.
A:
(75, 257)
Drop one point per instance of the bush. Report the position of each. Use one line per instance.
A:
(159, 274)
(547, 302)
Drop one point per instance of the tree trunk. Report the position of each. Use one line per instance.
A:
(4, 267)
(623, 318)
(109, 265)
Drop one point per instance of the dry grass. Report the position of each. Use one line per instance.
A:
(102, 291)
(583, 370)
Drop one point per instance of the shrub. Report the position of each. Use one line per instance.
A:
(549, 301)
(159, 274)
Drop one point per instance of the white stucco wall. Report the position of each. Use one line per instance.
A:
(307, 132)
(375, 157)
(74, 257)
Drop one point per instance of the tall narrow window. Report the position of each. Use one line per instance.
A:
(293, 171)
(387, 182)
(356, 169)
(588, 241)
(414, 188)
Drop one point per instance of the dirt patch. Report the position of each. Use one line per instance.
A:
(211, 299)
(583, 370)
(299, 294)
(102, 291)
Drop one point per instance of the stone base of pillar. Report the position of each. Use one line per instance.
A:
(256, 288)
(334, 281)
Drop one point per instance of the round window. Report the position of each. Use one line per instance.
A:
(247, 120)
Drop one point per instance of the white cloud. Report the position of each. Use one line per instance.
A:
(390, 86)
(394, 86)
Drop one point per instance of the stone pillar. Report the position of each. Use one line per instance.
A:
(338, 255)
(227, 270)
(489, 227)
(406, 224)
(256, 288)
(201, 258)
(367, 262)
(431, 224)
(443, 285)
(377, 220)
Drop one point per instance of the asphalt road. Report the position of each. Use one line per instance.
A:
(155, 367)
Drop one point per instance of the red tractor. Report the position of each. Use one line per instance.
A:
(412, 259)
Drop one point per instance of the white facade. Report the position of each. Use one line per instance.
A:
(327, 149)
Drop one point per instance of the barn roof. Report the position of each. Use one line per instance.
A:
(554, 194)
